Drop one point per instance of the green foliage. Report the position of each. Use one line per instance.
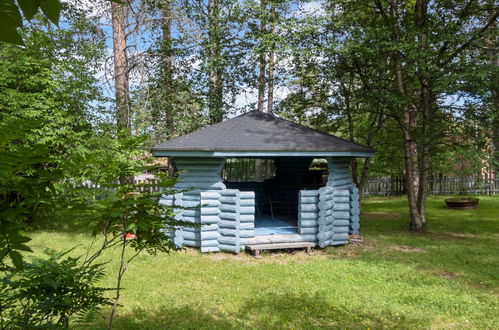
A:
(11, 19)
(339, 70)
(48, 292)
(17, 190)
(12, 242)
(44, 112)
(132, 209)
(209, 42)
(114, 208)
(52, 147)
(165, 114)
(118, 208)
(342, 76)
(447, 278)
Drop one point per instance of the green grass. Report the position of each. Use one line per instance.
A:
(447, 278)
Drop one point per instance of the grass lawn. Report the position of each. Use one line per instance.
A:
(447, 278)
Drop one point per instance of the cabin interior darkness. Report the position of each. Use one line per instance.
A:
(276, 183)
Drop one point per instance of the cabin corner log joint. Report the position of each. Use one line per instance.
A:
(232, 215)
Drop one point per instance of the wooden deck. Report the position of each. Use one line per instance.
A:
(277, 242)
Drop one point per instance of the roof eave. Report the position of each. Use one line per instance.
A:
(230, 153)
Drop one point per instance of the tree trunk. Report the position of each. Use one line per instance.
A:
(261, 59)
(351, 135)
(215, 88)
(121, 70)
(270, 100)
(413, 182)
(408, 126)
(167, 68)
(271, 61)
(495, 105)
(363, 176)
(426, 106)
(377, 123)
(121, 73)
(494, 60)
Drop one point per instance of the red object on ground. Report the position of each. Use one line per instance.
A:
(130, 236)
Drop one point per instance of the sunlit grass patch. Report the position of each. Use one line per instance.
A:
(446, 278)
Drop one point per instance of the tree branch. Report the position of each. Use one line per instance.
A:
(476, 36)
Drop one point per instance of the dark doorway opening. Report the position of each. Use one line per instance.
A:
(276, 183)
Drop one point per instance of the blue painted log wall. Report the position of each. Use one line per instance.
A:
(326, 216)
(206, 201)
(199, 173)
(325, 221)
(195, 175)
(354, 224)
(308, 214)
(219, 214)
(341, 183)
(247, 218)
(337, 206)
(209, 233)
(229, 221)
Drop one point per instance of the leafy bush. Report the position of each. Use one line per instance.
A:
(46, 293)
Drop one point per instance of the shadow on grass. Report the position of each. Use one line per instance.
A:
(391, 217)
(62, 221)
(460, 242)
(266, 312)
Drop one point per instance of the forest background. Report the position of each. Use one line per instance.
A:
(87, 87)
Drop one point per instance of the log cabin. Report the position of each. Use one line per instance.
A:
(279, 210)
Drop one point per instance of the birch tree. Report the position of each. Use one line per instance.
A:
(417, 49)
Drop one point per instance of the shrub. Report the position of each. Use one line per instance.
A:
(46, 293)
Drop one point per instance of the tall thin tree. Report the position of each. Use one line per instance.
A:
(215, 84)
(261, 56)
(121, 68)
(271, 58)
(167, 73)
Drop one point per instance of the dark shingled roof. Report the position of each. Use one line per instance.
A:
(259, 131)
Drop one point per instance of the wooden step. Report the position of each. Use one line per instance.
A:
(274, 239)
(256, 248)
